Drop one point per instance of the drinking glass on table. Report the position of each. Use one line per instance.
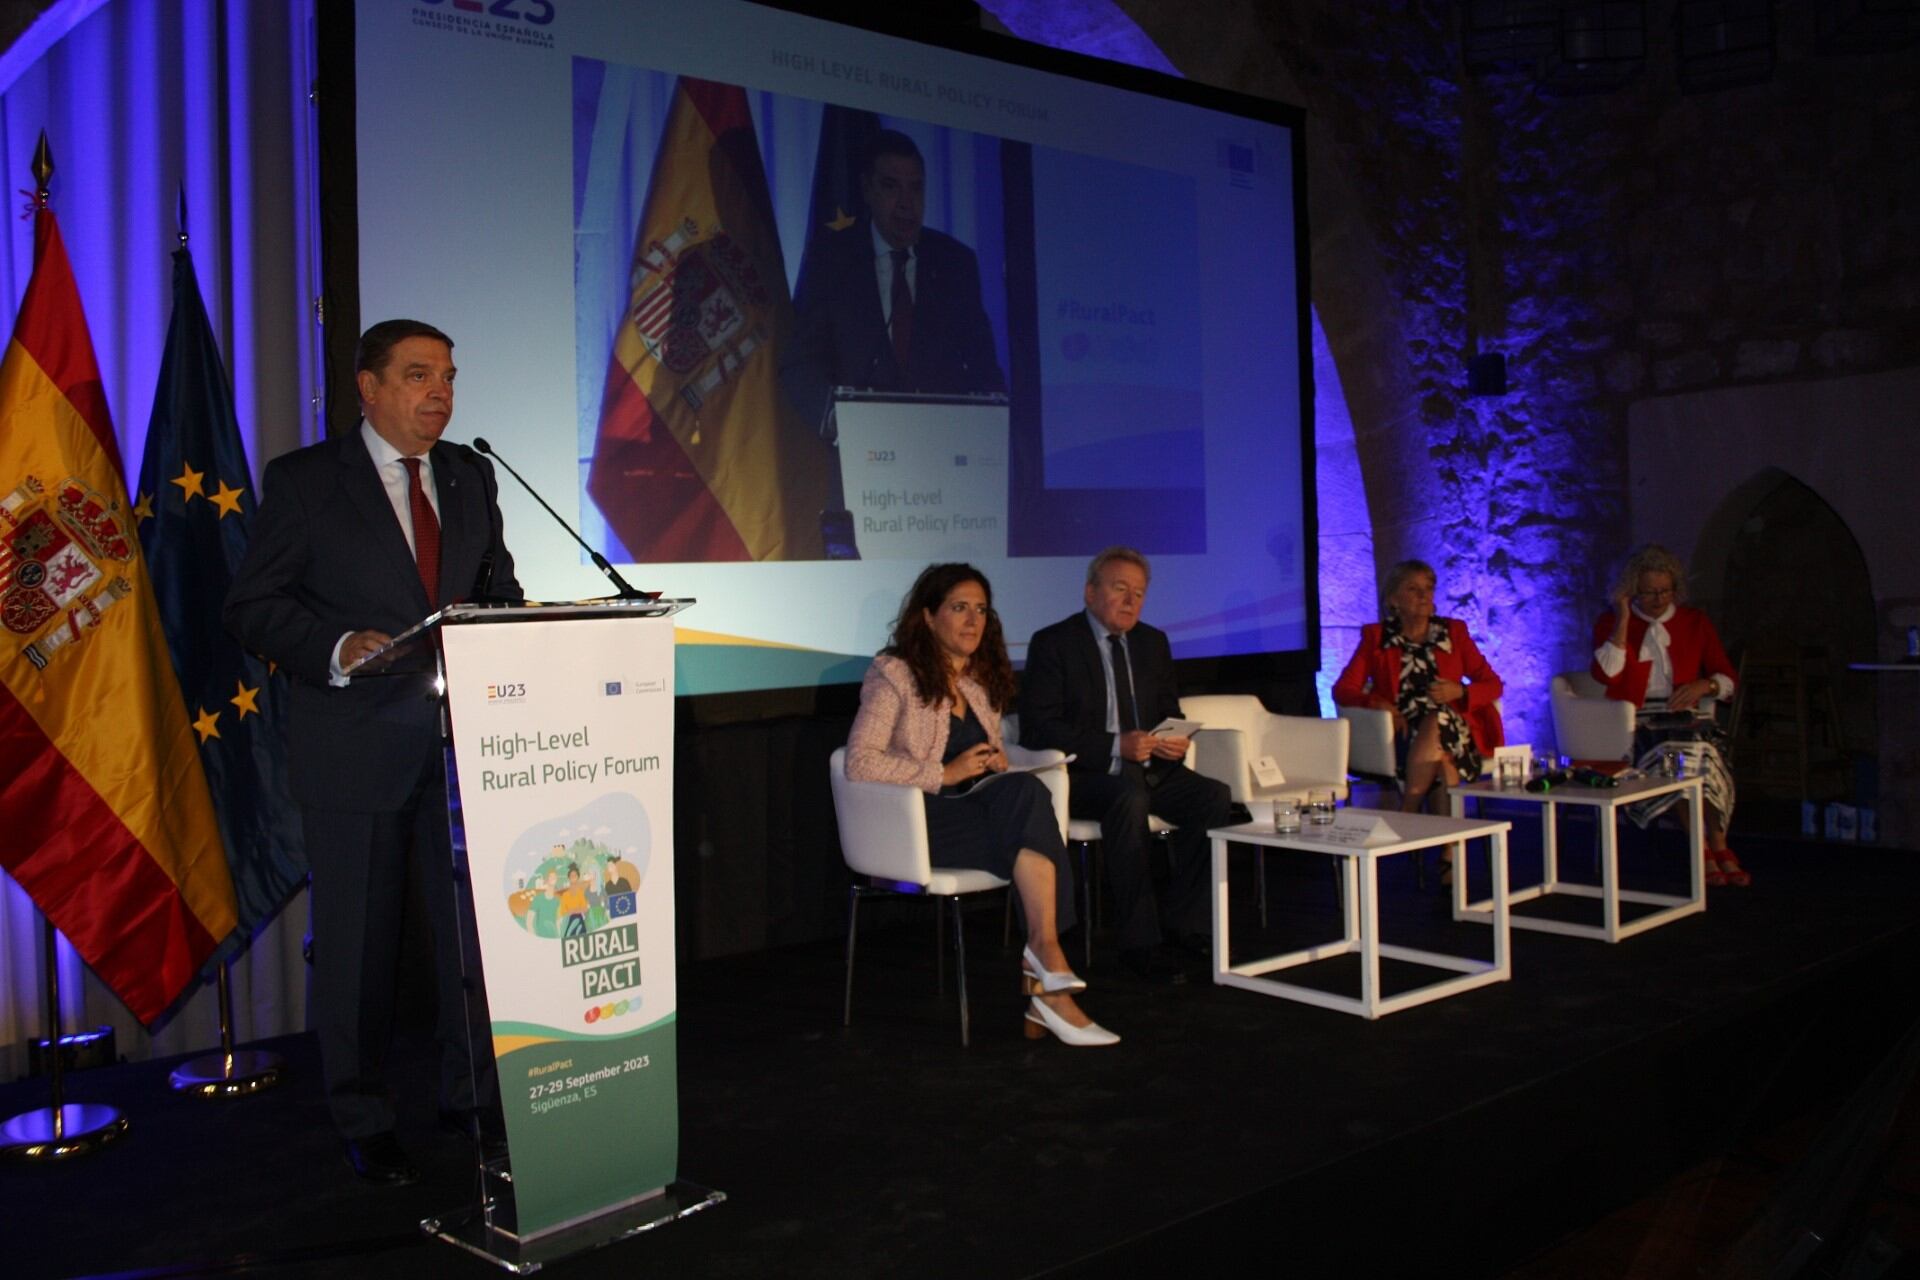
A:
(1320, 808)
(1286, 817)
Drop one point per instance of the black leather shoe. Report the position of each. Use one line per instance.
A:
(490, 1124)
(1151, 965)
(378, 1158)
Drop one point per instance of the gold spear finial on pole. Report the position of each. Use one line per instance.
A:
(42, 170)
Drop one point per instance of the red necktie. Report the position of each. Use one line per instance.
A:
(426, 531)
(901, 322)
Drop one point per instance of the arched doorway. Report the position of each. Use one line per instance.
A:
(1788, 586)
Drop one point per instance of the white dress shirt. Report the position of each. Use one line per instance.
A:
(387, 461)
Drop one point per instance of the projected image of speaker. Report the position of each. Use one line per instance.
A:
(671, 231)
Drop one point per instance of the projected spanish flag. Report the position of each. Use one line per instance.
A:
(105, 818)
(699, 455)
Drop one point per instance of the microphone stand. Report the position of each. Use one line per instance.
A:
(624, 590)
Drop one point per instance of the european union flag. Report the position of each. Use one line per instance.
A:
(195, 504)
(836, 203)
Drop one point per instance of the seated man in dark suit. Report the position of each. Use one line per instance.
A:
(1096, 684)
(357, 538)
(886, 303)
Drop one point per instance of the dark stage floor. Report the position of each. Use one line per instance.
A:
(1459, 1137)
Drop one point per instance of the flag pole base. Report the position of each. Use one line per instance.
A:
(228, 1075)
(78, 1129)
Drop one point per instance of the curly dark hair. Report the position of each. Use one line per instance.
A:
(913, 641)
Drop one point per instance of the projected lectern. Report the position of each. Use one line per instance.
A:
(925, 476)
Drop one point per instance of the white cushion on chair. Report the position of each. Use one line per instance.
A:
(952, 880)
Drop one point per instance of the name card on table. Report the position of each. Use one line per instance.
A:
(1266, 772)
(1354, 828)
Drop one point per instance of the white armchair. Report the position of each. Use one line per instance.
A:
(1312, 753)
(883, 836)
(1588, 725)
(1370, 744)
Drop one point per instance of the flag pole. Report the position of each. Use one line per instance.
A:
(62, 1129)
(229, 1073)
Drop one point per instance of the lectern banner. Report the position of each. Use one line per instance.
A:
(563, 740)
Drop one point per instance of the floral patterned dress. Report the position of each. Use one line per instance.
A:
(1415, 700)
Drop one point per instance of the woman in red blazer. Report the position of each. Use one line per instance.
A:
(1425, 672)
(1653, 648)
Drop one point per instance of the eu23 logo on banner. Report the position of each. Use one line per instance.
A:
(535, 12)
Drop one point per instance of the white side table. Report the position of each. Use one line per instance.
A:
(1606, 803)
(1360, 882)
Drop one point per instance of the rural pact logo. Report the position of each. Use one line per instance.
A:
(577, 881)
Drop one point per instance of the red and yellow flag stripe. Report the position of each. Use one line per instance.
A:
(105, 816)
(700, 456)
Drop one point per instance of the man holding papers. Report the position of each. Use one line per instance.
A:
(1097, 684)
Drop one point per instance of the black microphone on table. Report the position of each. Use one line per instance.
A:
(624, 588)
(1578, 777)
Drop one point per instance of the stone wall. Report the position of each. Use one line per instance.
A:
(1612, 246)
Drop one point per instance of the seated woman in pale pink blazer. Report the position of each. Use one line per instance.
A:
(930, 710)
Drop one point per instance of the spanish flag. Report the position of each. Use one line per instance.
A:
(106, 816)
(700, 456)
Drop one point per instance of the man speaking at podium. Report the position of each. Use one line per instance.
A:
(356, 539)
(887, 303)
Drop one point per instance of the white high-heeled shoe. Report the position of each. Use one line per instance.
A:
(1041, 1019)
(1044, 981)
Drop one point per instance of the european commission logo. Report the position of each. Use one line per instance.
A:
(1239, 161)
(613, 688)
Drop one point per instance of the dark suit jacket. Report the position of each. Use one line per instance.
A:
(328, 557)
(1063, 693)
(840, 334)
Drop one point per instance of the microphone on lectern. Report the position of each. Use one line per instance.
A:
(621, 585)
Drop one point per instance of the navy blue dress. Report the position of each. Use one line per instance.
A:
(984, 824)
